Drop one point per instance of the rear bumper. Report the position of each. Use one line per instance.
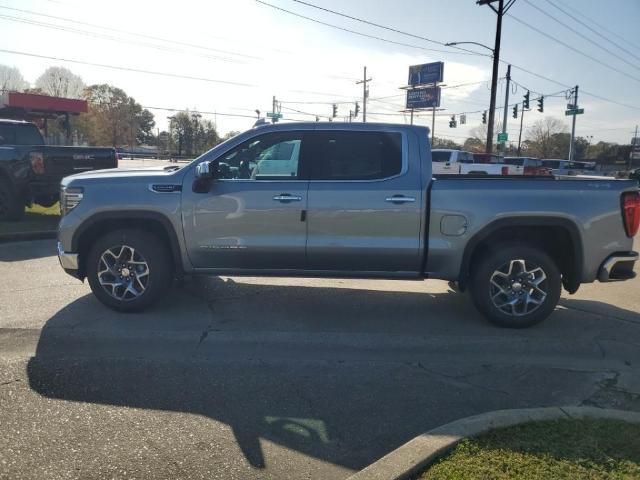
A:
(618, 267)
(68, 261)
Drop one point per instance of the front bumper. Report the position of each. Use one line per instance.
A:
(618, 267)
(68, 261)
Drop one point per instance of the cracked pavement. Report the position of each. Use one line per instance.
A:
(278, 377)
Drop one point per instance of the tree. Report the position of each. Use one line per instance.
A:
(114, 118)
(438, 142)
(11, 80)
(190, 134)
(547, 138)
(473, 144)
(230, 134)
(60, 82)
(146, 123)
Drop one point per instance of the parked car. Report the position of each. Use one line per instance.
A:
(30, 171)
(566, 167)
(487, 158)
(363, 203)
(531, 166)
(446, 161)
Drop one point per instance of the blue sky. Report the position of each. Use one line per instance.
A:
(275, 53)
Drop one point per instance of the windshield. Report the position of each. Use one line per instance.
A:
(440, 156)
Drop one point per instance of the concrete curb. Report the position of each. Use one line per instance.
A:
(425, 449)
(22, 236)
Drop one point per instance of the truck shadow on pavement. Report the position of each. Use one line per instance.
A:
(255, 357)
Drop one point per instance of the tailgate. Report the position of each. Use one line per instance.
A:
(63, 161)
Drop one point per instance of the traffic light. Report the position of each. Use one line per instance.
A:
(515, 111)
(484, 117)
(525, 104)
(452, 122)
(335, 111)
(541, 104)
(357, 109)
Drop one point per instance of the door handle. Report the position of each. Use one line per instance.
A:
(285, 197)
(400, 199)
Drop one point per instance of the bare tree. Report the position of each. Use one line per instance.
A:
(60, 82)
(544, 137)
(11, 80)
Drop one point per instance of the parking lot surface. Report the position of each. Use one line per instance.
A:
(278, 377)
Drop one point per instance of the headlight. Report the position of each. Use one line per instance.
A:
(70, 197)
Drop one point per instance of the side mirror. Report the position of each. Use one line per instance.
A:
(203, 171)
(206, 172)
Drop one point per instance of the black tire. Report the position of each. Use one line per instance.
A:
(11, 205)
(145, 248)
(520, 288)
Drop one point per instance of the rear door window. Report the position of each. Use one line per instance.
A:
(440, 157)
(342, 155)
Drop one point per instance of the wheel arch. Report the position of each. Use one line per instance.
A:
(559, 237)
(102, 222)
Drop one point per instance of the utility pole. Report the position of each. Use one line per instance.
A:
(506, 103)
(412, 116)
(633, 147)
(274, 104)
(520, 135)
(573, 123)
(500, 11)
(433, 123)
(365, 94)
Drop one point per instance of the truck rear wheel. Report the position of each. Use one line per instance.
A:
(11, 205)
(515, 286)
(129, 270)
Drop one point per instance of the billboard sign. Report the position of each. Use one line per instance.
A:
(423, 98)
(425, 74)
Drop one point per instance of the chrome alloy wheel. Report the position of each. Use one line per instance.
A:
(518, 287)
(123, 272)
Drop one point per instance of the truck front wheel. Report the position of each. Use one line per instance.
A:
(515, 286)
(129, 270)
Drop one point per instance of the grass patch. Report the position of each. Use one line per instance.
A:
(36, 219)
(554, 449)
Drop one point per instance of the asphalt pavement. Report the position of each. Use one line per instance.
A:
(242, 378)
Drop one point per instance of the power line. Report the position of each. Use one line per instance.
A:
(391, 29)
(367, 35)
(599, 25)
(128, 69)
(504, 61)
(593, 42)
(128, 32)
(112, 38)
(574, 49)
(604, 37)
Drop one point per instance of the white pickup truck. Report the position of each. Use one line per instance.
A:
(456, 162)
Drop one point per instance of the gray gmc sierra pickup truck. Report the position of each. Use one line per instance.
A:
(348, 200)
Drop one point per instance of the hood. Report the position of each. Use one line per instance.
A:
(124, 174)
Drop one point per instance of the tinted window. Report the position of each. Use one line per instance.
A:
(7, 134)
(551, 163)
(440, 156)
(465, 157)
(272, 156)
(514, 161)
(28, 135)
(356, 155)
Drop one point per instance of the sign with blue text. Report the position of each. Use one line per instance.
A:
(425, 74)
(423, 98)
